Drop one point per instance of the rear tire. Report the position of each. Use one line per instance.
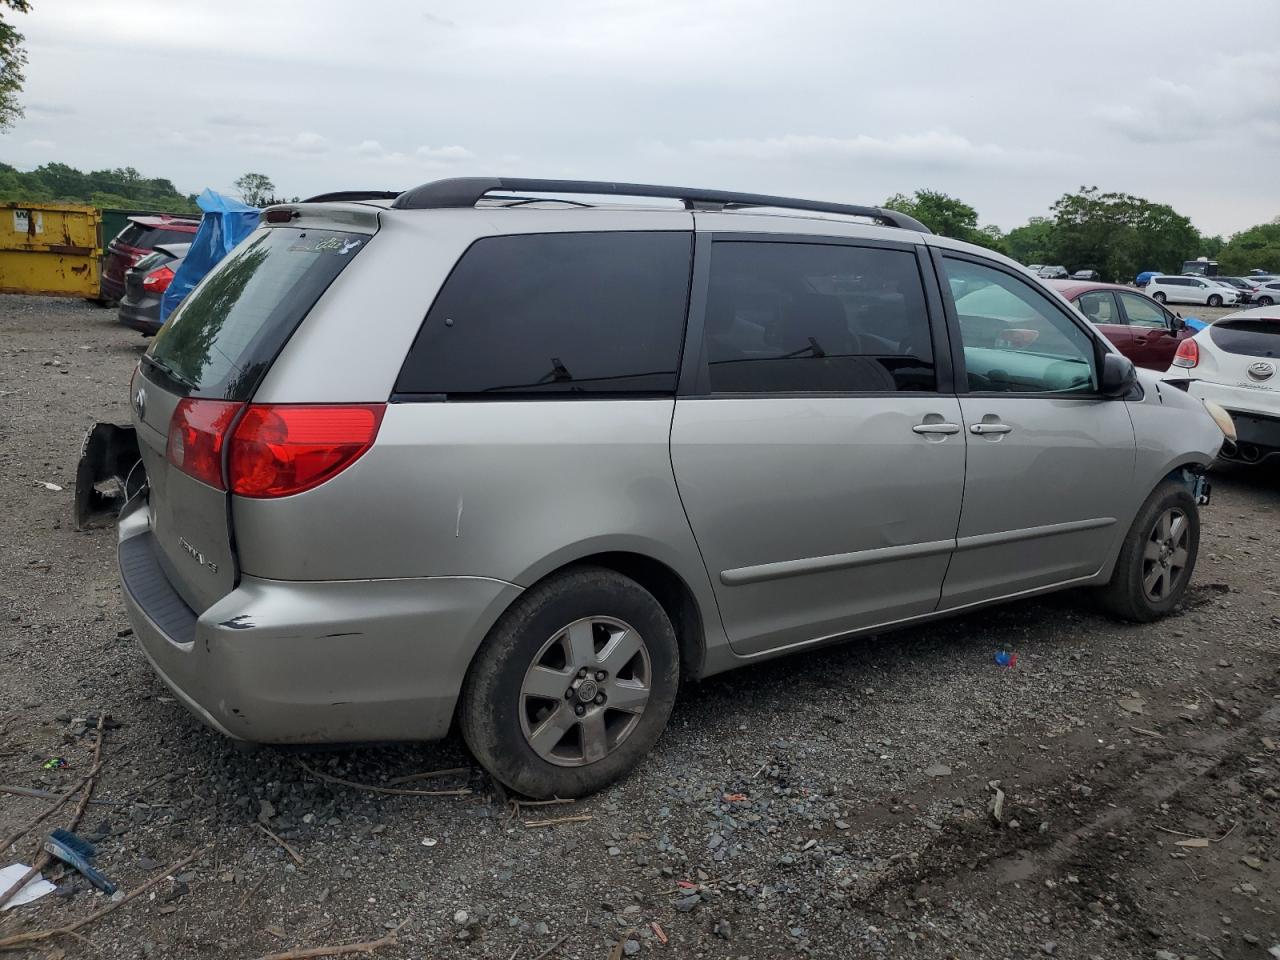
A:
(1157, 557)
(1215, 301)
(1265, 301)
(573, 686)
(1159, 297)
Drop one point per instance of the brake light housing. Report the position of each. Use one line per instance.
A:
(1188, 354)
(157, 281)
(197, 432)
(278, 450)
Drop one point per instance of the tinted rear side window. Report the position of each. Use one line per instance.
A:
(130, 235)
(224, 335)
(1254, 338)
(574, 314)
(809, 317)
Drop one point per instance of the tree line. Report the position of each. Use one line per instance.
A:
(1117, 234)
(123, 187)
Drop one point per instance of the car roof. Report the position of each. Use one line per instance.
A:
(1254, 313)
(167, 220)
(1073, 288)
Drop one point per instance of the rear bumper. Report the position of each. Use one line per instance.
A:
(143, 316)
(310, 662)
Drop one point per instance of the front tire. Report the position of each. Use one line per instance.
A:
(573, 686)
(1215, 301)
(1157, 557)
(1159, 297)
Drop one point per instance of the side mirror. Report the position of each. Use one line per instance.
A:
(1177, 324)
(1118, 375)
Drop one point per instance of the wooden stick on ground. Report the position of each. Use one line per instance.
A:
(390, 940)
(395, 791)
(297, 857)
(38, 794)
(557, 821)
(49, 811)
(44, 859)
(428, 775)
(21, 940)
(553, 948)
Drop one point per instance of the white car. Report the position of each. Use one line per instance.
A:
(1199, 290)
(1267, 292)
(1235, 362)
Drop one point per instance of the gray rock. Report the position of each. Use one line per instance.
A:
(723, 929)
(461, 918)
(685, 904)
(630, 947)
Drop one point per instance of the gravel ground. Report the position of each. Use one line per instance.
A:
(835, 804)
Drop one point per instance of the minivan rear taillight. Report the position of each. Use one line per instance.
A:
(282, 449)
(1188, 354)
(196, 434)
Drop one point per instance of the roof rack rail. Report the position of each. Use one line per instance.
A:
(353, 195)
(466, 191)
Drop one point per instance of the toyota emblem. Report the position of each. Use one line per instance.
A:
(140, 402)
(1262, 370)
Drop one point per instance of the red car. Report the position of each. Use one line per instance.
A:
(137, 240)
(1144, 331)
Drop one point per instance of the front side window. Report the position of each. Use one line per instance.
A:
(1098, 306)
(813, 317)
(1142, 312)
(565, 314)
(1015, 339)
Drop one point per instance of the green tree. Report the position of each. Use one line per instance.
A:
(1257, 248)
(13, 58)
(1033, 242)
(947, 216)
(1119, 234)
(254, 188)
(102, 188)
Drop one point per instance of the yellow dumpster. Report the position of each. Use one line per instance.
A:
(51, 249)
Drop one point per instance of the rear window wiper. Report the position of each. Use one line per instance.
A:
(169, 372)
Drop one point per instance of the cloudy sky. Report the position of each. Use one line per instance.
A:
(1006, 104)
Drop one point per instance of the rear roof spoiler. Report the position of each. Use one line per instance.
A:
(467, 191)
(353, 195)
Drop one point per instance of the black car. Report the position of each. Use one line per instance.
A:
(145, 283)
(1092, 275)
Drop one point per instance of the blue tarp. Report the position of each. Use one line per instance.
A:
(225, 223)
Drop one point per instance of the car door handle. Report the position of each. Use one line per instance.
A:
(943, 428)
(988, 428)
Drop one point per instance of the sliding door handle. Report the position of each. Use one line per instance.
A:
(947, 429)
(984, 428)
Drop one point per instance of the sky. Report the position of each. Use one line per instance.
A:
(1006, 104)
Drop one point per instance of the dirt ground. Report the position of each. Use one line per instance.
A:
(835, 804)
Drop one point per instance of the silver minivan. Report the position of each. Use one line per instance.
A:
(513, 453)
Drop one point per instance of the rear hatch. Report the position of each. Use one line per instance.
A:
(1248, 352)
(138, 239)
(194, 382)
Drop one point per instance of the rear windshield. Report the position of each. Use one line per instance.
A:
(226, 333)
(145, 238)
(1254, 338)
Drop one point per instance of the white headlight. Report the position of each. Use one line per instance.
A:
(1222, 419)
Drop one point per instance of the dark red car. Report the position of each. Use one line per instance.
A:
(137, 240)
(1146, 332)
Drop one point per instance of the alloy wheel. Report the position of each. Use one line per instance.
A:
(1165, 556)
(585, 691)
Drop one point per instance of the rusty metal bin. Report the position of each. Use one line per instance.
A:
(50, 249)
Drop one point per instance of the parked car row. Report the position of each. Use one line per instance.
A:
(137, 240)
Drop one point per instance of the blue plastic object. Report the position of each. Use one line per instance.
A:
(1195, 323)
(1145, 276)
(225, 223)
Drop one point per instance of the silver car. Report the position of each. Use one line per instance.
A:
(493, 452)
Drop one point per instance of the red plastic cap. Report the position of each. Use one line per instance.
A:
(282, 449)
(1188, 354)
(157, 281)
(196, 434)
